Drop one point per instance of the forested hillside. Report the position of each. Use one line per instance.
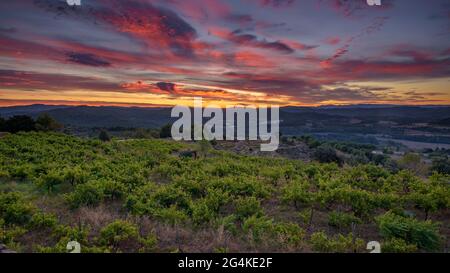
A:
(159, 196)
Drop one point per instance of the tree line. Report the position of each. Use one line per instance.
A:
(23, 123)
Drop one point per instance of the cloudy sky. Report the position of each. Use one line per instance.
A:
(165, 52)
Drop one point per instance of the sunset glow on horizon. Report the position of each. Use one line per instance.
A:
(157, 53)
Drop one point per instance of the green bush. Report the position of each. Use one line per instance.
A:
(50, 180)
(43, 220)
(362, 202)
(117, 233)
(247, 206)
(289, 233)
(258, 227)
(167, 196)
(14, 209)
(216, 198)
(65, 234)
(149, 243)
(4, 174)
(75, 175)
(298, 193)
(201, 212)
(305, 215)
(424, 234)
(326, 154)
(88, 194)
(21, 171)
(396, 245)
(112, 190)
(342, 220)
(228, 223)
(322, 243)
(170, 215)
(9, 235)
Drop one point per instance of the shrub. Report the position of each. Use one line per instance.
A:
(149, 242)
(66, 234)
(216, 198)
(50, 180)
(247, 206)
(424, 234)
(402, 182)
(258, 227)
(117, 233)
(22, 171)
(228, 223)
(112, 190)
(365, 177)
(43, 220)
(75, 175)
(167, 196)
(322, 243)
(88, 194)
(165, 131)
(10, 234)
(298, 193)
(413, 162)
(45, 122)
(362, 202)
(201, 212)
(289, 233)
(441, 165)
(396, 245)
(342, 220)
(326, 154)
(170, 215)
(104, 136)
(4, 174)
(305, 215)
(14, 209)
(437, 198)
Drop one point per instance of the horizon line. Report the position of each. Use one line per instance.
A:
(137, 105)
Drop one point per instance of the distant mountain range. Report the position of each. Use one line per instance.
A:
(93, 116)
(328, 118)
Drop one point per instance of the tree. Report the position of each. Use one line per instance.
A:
(46, 123)
(412, 162)
(165, 131)
(441, 165)
(20, 123)
(2, 124)
(326, 154)
(104, 136)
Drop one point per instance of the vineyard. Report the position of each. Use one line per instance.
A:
(151, 195)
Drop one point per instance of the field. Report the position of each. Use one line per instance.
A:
(154, 195)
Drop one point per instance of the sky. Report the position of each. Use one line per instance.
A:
(249, 52)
